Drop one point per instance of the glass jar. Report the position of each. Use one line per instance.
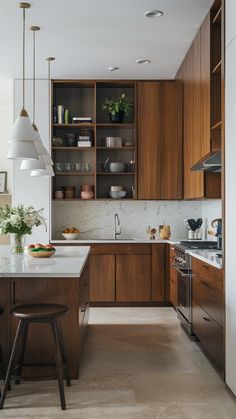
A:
(59, 167)
(68, 167)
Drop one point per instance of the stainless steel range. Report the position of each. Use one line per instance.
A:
(182, 264)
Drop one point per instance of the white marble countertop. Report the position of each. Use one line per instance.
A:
(115, 241)
(68, 261)
(208, 256)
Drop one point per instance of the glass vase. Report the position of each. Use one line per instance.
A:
(18, 244)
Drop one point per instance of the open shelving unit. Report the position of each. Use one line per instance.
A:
(85, 98)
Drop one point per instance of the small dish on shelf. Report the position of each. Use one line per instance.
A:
(117, 194)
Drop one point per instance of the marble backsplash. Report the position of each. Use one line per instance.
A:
(94, 219)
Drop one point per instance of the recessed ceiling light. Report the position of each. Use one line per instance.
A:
(154, 13)
(113, 68)
(143, 61)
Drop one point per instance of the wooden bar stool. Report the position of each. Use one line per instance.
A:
(38, 313)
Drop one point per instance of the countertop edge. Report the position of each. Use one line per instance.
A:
(206, 260)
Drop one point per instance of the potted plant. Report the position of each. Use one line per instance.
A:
(117, 108)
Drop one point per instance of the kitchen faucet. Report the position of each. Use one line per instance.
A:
(116, 226)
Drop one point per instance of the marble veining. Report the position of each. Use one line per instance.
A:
(95, 219)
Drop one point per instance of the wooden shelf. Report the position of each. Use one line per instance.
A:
(217, 17)
(82, 125)
(73, 199)
(116, 173)
(216, 126)
(116, 148)
(72, 148)
(217, 68)
(115, 125)
(75, 174)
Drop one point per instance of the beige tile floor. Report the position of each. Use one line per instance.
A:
(138, 363)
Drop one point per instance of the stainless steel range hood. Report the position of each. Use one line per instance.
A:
(209, 163)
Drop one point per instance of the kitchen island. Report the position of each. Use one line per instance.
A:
(61, 279)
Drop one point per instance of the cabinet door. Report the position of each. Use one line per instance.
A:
(159, 140)
(193, 181)
(205, 62)
(133, 278)
(102, 278)
(40, 345)
(158, 273)
(210, 334)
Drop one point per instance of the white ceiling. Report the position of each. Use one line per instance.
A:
(88, 36)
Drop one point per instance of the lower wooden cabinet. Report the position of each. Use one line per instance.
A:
(210, 334)
(102, 278)
(208, 309)
(172, 278)
(133, 278)
(72, 292)
(128, 273)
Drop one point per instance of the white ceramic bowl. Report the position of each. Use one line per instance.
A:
(70, 236)
(117, 194)
(116, 188)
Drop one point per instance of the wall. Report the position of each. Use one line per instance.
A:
(29, 190)
(6, 119)
(95, 219)
(230, 195)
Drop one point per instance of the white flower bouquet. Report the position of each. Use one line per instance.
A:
(19, 221)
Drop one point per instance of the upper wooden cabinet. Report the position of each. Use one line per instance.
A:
(159, 140)
(201, 109)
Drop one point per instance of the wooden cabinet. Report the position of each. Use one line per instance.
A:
(208, 309)
(72, 292)
(133, 278)
(159, 140)
(200, 99)
(102, 278)
(172, 277)
(127, 273)
(158, 272)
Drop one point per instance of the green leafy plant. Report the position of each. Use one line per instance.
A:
(122, 104)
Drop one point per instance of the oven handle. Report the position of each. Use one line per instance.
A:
(179, 271)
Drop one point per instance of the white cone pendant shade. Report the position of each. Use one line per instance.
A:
(48, 172)
(44, 158)
(22, 129)
(33, 164)
(22, 150)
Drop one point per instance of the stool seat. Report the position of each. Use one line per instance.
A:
(39, 311)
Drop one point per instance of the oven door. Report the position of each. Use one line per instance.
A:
(184, 293)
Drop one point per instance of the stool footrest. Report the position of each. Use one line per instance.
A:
(19, 378)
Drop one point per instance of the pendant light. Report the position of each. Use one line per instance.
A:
(41, 150)
(47, 159)
(22, 136)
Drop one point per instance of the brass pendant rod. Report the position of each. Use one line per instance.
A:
(23, 58)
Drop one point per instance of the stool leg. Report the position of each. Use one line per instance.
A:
(58, 359)
(63, 352)
(22, 350)
(3, 366)
(10, 365)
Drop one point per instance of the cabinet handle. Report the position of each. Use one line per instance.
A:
(13, 293)
(85, 284)
(206, 319)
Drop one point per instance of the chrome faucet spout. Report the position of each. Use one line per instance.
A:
(116, 226)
